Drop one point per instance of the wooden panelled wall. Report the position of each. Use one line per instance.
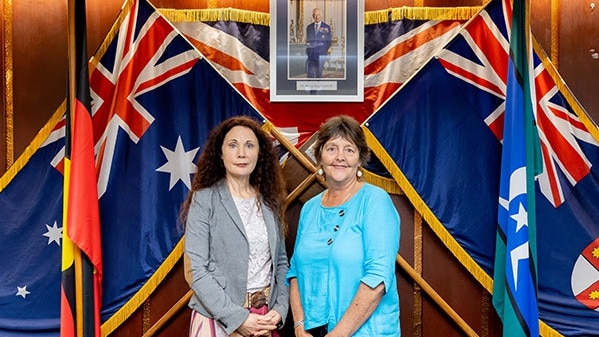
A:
(34, 62)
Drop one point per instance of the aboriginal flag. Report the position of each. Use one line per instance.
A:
(81, 252)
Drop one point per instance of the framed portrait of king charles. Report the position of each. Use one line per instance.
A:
(317, 51)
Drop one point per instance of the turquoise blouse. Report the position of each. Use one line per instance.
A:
(337, 248)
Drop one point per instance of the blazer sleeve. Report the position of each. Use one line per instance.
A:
(208, 283)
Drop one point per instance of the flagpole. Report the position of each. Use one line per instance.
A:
(533, 156)
(71, 54)
(72, 89)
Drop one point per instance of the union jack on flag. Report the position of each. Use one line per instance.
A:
(139, 66)
(393, 52)
(141, 63)
(154, 102)
(57, 133)
(565, 164)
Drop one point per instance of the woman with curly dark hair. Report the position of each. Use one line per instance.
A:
(234, 220)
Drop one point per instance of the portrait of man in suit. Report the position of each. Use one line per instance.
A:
(317, 59)
(318, 41)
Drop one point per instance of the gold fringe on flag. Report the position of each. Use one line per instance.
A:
(372, 17)
(35, 144)
(379, 16)
(547, 331)
(387, 184)
(421, 13)
(216, 14)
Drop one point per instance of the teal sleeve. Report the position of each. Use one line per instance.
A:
(381, 240)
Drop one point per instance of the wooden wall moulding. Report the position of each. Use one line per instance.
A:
(7, 124)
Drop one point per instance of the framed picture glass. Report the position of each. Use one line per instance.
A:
(317, 50)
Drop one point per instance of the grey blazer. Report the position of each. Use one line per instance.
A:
(218, 251)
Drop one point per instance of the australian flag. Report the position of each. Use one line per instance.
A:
(154, 101)
(441, 136)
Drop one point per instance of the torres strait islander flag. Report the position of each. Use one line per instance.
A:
(441, 137)
(515, 273)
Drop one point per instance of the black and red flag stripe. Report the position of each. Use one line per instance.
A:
(82, 255)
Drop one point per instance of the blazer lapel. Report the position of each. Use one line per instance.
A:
(227, 200)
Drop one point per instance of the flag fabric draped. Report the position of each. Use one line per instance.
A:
(81, 249)
(154, 102)
(394, 50)
(515, 274)
(154, 99)
(31, 237)
(442, 138)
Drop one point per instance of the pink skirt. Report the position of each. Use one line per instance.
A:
(202, 326)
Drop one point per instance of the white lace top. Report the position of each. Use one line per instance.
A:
(260, 260)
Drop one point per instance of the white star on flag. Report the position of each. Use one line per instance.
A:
(54, 233)
(521, 217)
(517, 188)
(520, 252)
(22, 291)
(179, 164)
